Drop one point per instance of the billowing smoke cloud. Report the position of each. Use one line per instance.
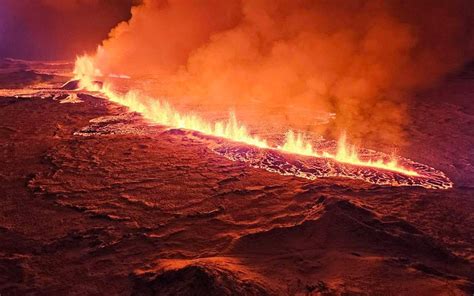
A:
(295, 58)
(57, 29)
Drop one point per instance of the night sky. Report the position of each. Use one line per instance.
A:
(57, 29)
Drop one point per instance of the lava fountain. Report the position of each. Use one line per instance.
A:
(163, 113)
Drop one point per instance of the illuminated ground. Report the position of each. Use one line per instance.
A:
(116, 206)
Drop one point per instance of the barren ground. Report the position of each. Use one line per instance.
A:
(150, 211)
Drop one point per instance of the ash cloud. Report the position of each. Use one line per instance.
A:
(57, 29)
(360, 59)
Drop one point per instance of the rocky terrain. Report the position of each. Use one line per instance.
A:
(95, 201)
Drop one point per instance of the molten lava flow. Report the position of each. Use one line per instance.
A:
(162, 113)
(345, 153)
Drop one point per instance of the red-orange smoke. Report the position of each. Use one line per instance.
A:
(293, 58)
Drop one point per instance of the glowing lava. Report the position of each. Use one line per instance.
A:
(345, 153)
(163, 113)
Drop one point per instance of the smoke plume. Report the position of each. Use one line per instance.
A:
(293, 59)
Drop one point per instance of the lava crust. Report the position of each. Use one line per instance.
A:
(96, 200)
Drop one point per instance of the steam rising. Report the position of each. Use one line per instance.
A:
(289, 60)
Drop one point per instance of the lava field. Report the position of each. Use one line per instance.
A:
(97, 200)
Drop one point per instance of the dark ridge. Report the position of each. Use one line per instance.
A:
(194, 280)
(71, 85)
(344, 225)
(74, 84)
